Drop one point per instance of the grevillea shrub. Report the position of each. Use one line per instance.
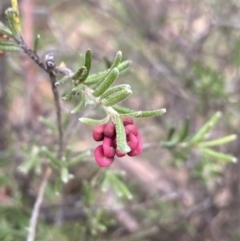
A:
(116, 132)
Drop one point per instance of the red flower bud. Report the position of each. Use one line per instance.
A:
(101, 160)
(131, 129)
(109, 130)
(98, 132)
(127, 121)
(138, 150)
(132, 141)
(108, 149)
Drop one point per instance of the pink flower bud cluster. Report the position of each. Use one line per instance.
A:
(105, 153)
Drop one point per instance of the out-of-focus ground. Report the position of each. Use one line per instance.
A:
(185, 58)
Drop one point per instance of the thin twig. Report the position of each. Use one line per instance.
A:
(37, 206)
(50, 71)
(58, 112)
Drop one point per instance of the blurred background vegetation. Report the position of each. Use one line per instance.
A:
(185, 57)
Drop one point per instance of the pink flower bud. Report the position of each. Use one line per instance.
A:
(131, 129)
(101, 160)
(98, 132)
(108, 149)
(127, 121)
(138, 150)
(132, 141)
(109, 130)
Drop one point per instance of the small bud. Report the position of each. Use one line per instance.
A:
(98, 132)
(132, 141)
(127, 121)
(109, 130)
(101, 160)
(108, 149)
(138, 150)
(131, 129)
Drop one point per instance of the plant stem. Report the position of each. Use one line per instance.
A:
(58, 112)
(37, 206)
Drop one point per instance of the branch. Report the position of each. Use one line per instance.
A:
(37, 205)
(49, 68)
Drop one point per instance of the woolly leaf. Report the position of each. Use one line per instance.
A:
(93, 121)
(65, 176)
(79, 73)
(117, 97)
(69, 96)
(113, 90)
(63, 80)
(4, 30)
(107, 82)
(95, 78)
(31, 161)
(8, 46)
(121, 135)
(145, 113)
(122, 110)
(88, 63)
(78, 158)
(219, 141)
(78, 107)
(117, 60)
(200, 135)
(123, 188)
(53, 160)
(218, 155)
(13, 21)
(36, 44)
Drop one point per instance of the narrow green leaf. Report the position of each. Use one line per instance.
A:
(53, 160)
(219, 141)
(218, 155)
(93, 121)
(121, 135)
(69, 96)
(124, 65)
(9, 48)
(78, 107)
(63, 80)
(145, 113)
(107, 82)
(170, 134)
(122, 110)
(88, 63)
(113, 90)
(68, 153)
(200, 135)
(183, 131)
(117, 60)
(123, 188)
(48, 123)
(106, 184)
(95, 78)
(13, 21)
(4, 30)
(79, 73)
(78, 158)
(65, 176)
(31, 162)
(36, 43)
(117, 97)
